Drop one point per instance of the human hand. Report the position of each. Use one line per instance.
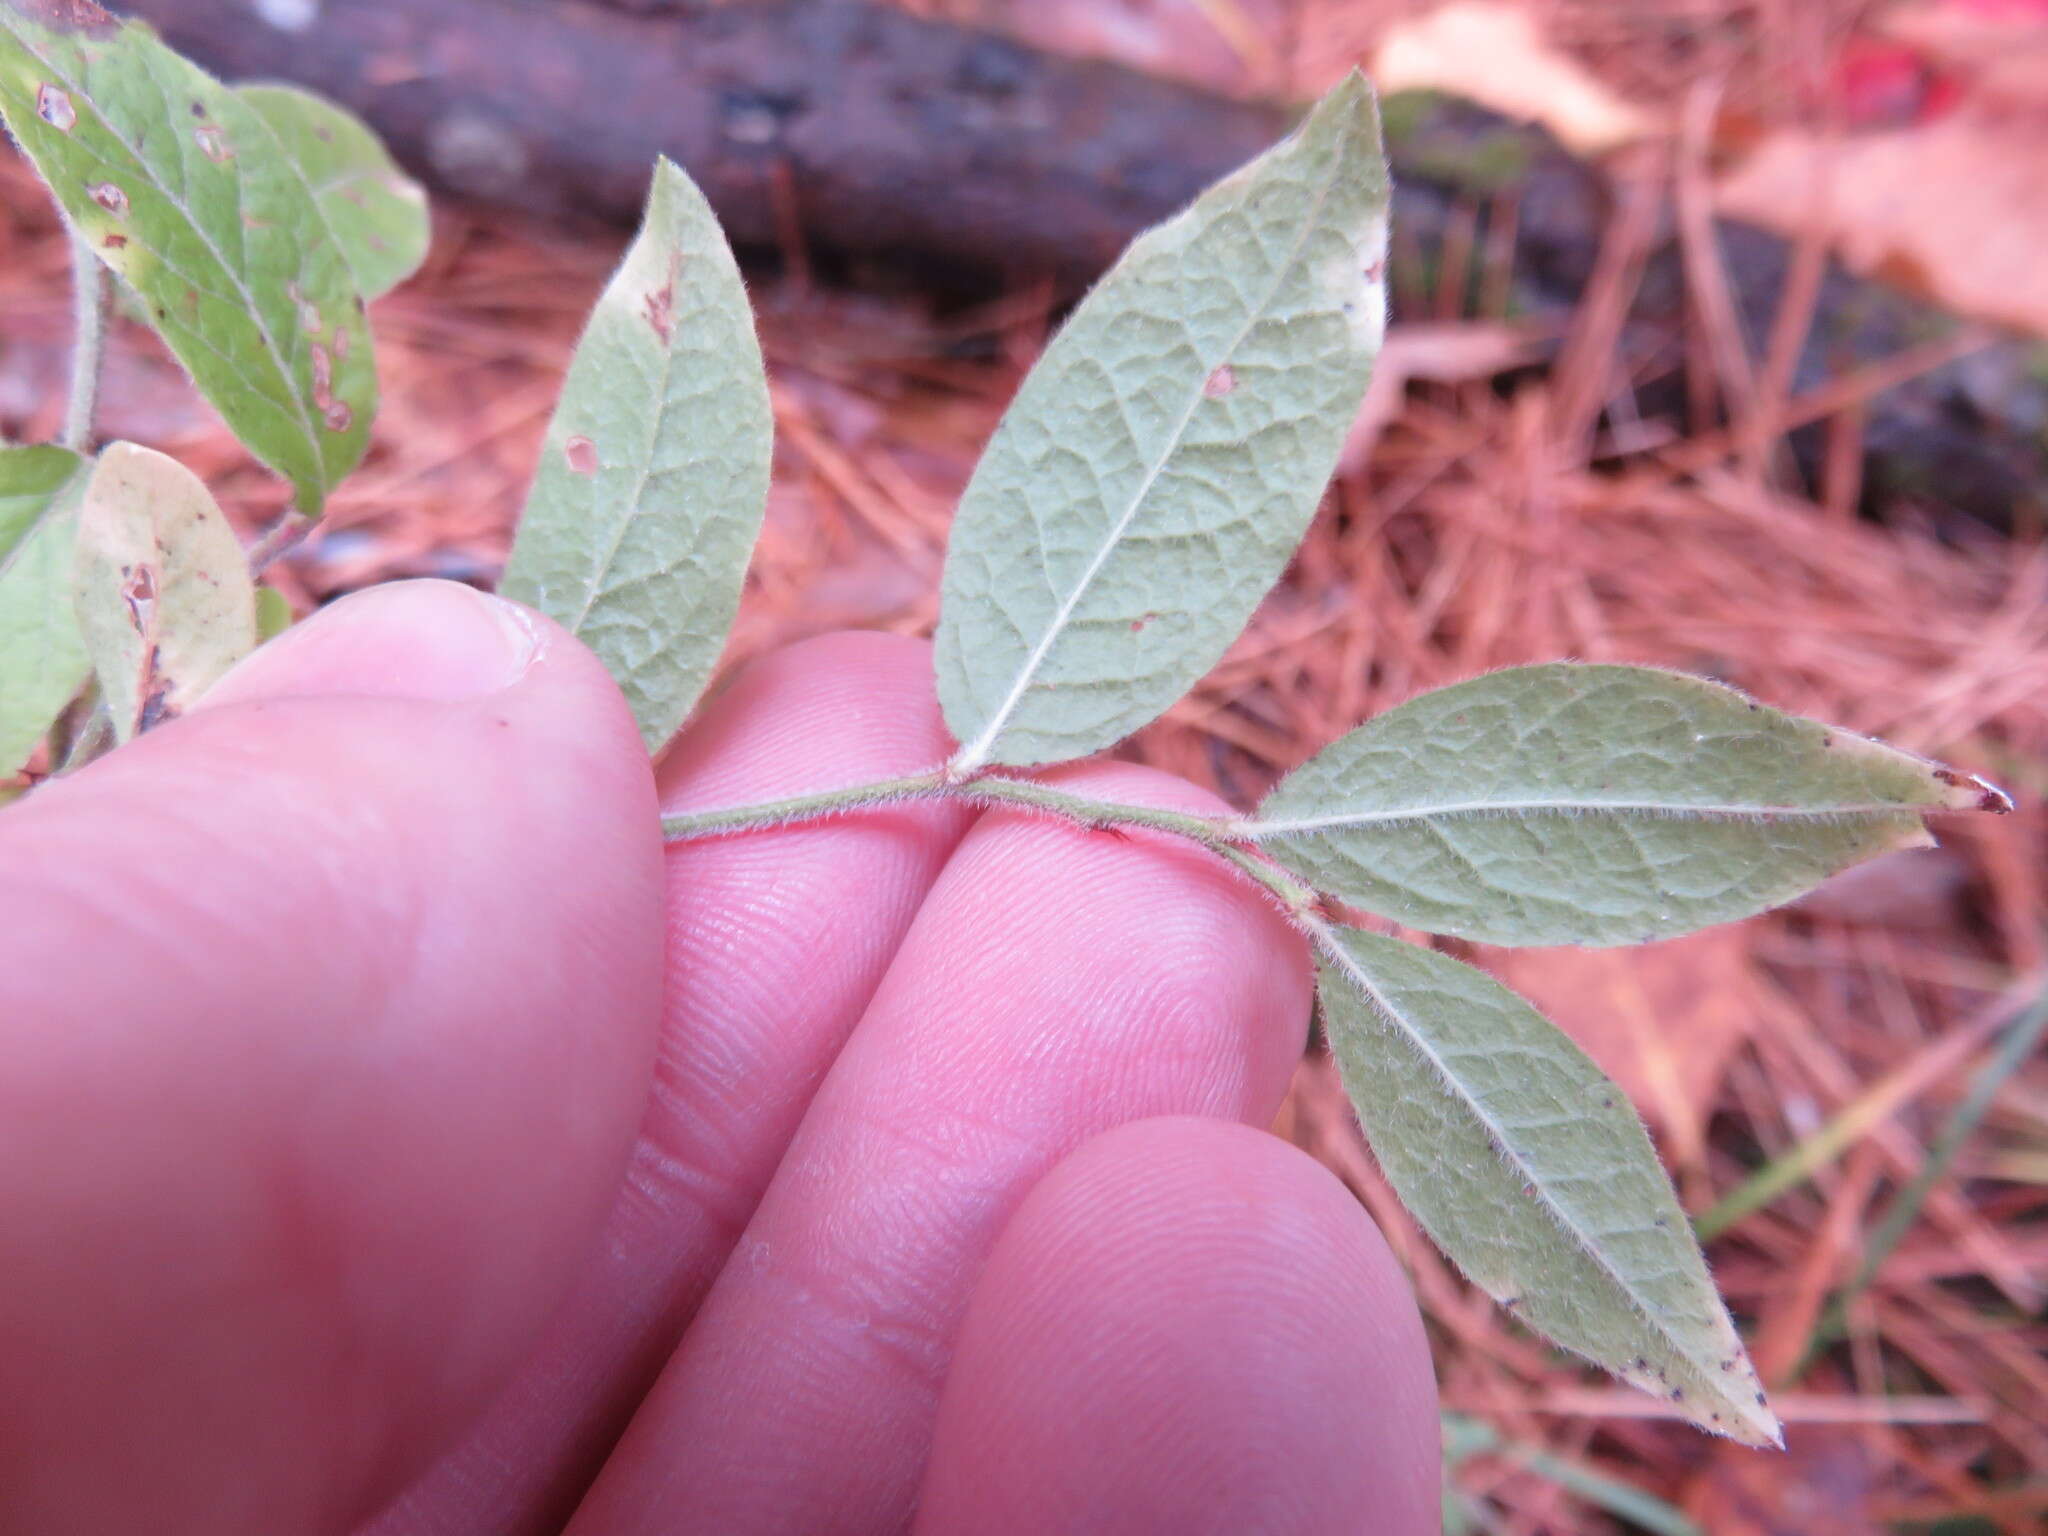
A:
(329, 1166)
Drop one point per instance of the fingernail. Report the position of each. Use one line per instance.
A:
(435, 640)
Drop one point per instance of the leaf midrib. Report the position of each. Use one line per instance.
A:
(1672, 810)
(250, 307)
(631, 505)
(973, 756)
(1352, 969)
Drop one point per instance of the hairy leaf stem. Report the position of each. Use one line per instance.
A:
(1216, 833)
(88, 340)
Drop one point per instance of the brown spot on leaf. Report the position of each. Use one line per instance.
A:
(661, 311)
(54, 108)
(338, 416)
(309, 312)
(340, 345)
(1374, 270)
(156, 704)
(323, 377)
(213, 143)
(1141, 621)
(581, 453)
(138, 595)
(1220, 383)
(661, 303)
(114, 242)
(108, 196)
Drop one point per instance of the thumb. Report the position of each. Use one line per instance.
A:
(326, 1015)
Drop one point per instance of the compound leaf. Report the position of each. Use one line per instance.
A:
(1582, 804)
(183, 190)
(654, 473)
(375, 212)
(164, 596)
(1529, 1168)
(1160, 464)
(42, 659)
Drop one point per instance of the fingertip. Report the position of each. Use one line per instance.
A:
(1188, 1326)
(327, 1017)
(429, 640)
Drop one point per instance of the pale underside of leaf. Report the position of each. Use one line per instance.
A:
(183, 190)
(654, 473)
(375, 213)
(162, 587)
(1589, 804)
(42, 658)
(1529, 1168)
(1161, 462)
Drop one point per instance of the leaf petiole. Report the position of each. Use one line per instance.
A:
(89, 332)
(1216, 833)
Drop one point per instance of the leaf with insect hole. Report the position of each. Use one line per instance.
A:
(162, 587)
(654, 473)
(180, 186)
(1163, 459)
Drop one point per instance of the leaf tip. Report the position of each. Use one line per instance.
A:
(1754, 1424)
(1941, 788)
(1967, 792)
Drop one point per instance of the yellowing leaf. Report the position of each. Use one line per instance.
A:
(1160, 464)
(162, 587)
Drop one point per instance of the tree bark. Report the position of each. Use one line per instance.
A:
(870, 131)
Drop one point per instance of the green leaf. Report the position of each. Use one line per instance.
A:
(29, 477)
(162, 587)
(42, 659)
(182, 189)
(1578, 804)
(654, 473)
(1531, 1171)
(1160, 464)
(273, 613)
(374, 211)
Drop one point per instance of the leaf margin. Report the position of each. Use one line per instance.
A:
(1345, 978)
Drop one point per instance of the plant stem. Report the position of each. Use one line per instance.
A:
(1211, 832)
(779, 813)
(89, 334)
(278, 540)
(1207, 830)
